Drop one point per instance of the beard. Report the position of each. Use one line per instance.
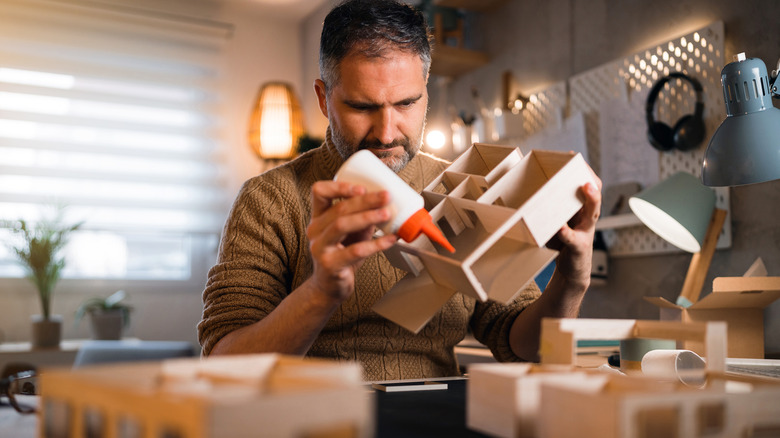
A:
(383, 151)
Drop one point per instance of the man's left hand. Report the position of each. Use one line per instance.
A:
(575, 239)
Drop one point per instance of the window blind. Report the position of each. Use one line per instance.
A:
(112, 112)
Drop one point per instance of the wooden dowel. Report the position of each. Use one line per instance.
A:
(700, 262)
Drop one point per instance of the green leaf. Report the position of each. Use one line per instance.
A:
(37, 251)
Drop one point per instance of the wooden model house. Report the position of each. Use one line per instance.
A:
(612, 406)
(555, 399)
(498, 209)
(232, 396)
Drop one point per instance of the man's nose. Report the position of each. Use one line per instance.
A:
(384, 129)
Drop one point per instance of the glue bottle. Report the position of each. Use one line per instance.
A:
(408, 217)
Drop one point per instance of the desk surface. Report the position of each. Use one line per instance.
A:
(424, 413)
(15, 425)
(399, 414)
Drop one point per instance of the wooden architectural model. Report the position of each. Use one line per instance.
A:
(231, 396)
(498, 209)
(559, 337)
(555, 399)
(503, 398)
(610, 406)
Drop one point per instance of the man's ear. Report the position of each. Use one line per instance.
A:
(319, 89)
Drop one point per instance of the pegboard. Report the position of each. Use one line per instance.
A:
(544, 109)
(699, 54)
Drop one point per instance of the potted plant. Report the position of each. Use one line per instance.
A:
(107, 315)
(38, 252)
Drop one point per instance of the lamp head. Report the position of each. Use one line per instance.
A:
(678, 209)
(746, 147)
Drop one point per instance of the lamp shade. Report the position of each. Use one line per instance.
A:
(746, 147)
(276, 122)
(678, 209)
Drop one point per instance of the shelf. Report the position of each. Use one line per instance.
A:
(618, 221)
(471, 5)
(453, 62)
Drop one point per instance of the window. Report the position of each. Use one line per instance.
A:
(112, 112)
(658, 421)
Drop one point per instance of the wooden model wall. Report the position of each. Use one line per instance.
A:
(232, 396)
(498, 209)
(555, 399)
(612, 406)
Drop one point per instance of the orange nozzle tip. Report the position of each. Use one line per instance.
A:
(437, 236)
(421, 222)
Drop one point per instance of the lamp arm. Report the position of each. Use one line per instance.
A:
(773, 81)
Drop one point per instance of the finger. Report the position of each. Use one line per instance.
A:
(566, 237)
(323, 193)
(351, 215)
(586, 218)
(354, 254)
(342, 226)
(596, 178)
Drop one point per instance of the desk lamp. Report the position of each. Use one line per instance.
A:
(746, 147)
(682, 211)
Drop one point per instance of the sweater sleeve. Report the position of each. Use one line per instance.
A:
(492, 322)
(253, 272)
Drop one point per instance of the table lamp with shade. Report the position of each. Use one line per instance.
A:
(682, 211)
(746, 147)
(276, 122)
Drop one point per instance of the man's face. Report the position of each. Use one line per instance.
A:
(379, 104)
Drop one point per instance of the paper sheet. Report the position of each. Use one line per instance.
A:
(570, 137)
(626, 154)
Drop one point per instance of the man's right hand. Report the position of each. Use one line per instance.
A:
(341, 237)
(341, 231)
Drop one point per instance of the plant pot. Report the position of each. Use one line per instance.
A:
(46, 332)
(106, 325)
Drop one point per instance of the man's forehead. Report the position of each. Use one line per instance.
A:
(392, 63)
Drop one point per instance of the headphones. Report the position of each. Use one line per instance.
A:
(688, 132)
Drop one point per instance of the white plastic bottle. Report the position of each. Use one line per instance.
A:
(408, 217)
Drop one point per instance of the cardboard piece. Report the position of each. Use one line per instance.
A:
(498, 209)
(740, 302)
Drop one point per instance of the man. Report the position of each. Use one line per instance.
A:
(298, 272)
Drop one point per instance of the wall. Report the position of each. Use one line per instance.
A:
(311, 28)
(263, 48)
(546, 42)
(542, 43)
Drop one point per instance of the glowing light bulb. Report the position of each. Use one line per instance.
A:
(435, 139)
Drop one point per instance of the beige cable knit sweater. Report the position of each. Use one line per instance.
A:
(264, 255)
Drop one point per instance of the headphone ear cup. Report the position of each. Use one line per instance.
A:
(688, 133)
(660, 136)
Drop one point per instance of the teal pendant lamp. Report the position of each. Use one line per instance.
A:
(746, 147)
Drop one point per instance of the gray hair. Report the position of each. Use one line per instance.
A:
(371, 28)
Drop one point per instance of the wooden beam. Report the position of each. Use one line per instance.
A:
(700, 262)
